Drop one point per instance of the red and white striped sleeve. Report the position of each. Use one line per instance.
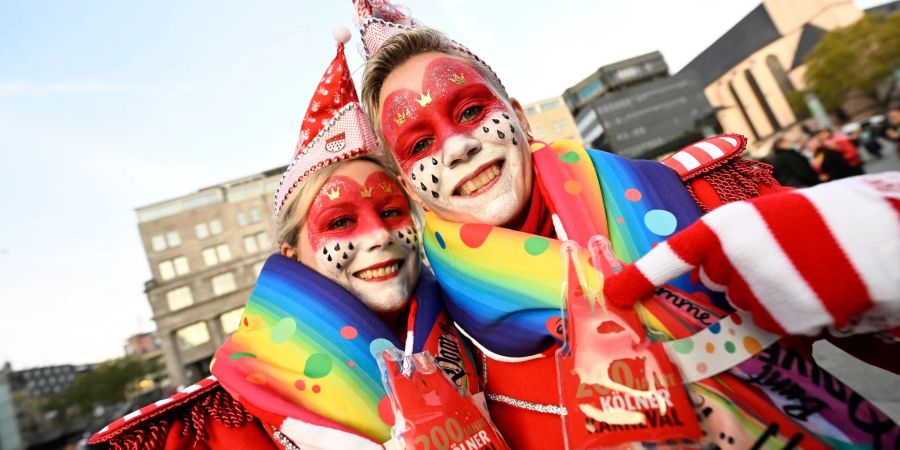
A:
(797, 260)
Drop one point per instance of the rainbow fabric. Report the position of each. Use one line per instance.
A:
(305, 349)
(518, 275)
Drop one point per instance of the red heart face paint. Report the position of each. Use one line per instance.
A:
(363, 236)
(459, 143)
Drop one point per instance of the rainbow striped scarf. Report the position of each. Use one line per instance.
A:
(305, 349)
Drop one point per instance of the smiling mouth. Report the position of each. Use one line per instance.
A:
(381, 271)
(481, 181)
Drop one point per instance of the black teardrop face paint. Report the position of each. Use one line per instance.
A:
(337, 246)
(350, 246)
(433, 162)
(435, 194)
(514, 141)
(422, 185)
(500, 134)
(434, 179)
(412, 175)
(496, 120)
(486, 129)
(324, 250)
(505, 116)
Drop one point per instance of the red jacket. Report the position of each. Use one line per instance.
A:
(203, 416)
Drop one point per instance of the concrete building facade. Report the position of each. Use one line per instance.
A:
(205, 250)
(634, 108)
(750, 72)
(551, 120)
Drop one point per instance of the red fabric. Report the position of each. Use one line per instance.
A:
(708, 199)
(533, 381)
(845, 147)
(536, 217)
(220, 437)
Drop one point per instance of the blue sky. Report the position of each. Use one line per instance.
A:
(108, 106)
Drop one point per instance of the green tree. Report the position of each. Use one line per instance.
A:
(858, 57)
(107, 383)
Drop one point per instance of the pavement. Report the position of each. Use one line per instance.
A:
(878, 386)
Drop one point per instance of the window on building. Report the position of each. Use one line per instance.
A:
(166, 270)
(215, 255)
(530, 111)
(181, 265)
(179, 298)
(202, 230)
(241, 218)
(231, 320)
(589, 90)
(215, 227)
(173, 238)
(223, 284)
(560, 126)
(162, 242)
(255, 215)
(256, 242)
(552, 104)
(158, 243)
(211, 228)
(192, 335)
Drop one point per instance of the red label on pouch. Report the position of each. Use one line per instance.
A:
(432, 414)
(617, 386)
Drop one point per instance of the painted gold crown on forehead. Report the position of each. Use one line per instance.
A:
(379, 20)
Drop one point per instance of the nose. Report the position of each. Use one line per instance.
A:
(379, 239)
(459, 149)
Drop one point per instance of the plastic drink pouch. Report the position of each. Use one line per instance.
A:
(430, 412)
(618, 387)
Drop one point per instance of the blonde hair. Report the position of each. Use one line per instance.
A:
(398, 49)
(293, 213)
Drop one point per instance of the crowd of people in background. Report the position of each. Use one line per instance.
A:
(812, 156)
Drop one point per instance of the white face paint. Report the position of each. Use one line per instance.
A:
(380, 268)
(475, 175)
(359, 234)
(459, 143)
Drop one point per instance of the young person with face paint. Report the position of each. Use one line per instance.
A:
(497, 201)
(346, 284)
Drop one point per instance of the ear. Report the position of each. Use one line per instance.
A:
(520, 114)
(411, 192)
(287, 251)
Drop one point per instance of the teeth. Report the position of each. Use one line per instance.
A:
(380, 272)
(481, 180)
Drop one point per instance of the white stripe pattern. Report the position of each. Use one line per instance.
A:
(711, 149)
(793, 303)
(661, 265)
(870, 242)
(687, 160)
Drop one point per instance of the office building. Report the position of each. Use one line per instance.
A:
(634, 108)
(205, 250)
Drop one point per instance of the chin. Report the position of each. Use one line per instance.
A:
(385, 297)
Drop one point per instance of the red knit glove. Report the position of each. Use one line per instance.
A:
(797, 260)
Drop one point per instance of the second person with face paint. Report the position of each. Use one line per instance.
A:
(500, 205)
(347, 284)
